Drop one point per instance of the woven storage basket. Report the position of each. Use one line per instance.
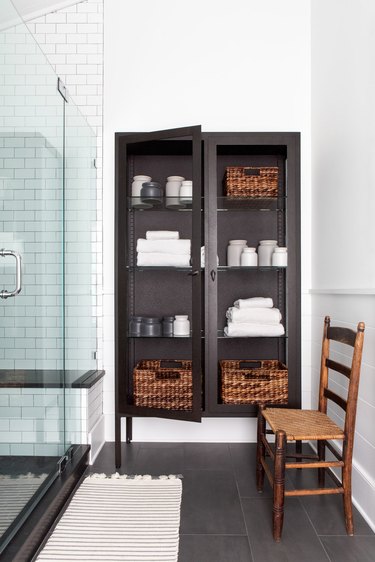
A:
(252, 181)
(159, 383)
(254, 382)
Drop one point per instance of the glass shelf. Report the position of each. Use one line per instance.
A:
(221, 335)
(158, 268)
(163, 337)
(248, 268)
(160, 206)
(158, 337)
(251, 204)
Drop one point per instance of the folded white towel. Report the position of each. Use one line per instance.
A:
(163, 246)
(254, 315)
(162, 235)
(254, 302)
(163, 260)
(253, 330)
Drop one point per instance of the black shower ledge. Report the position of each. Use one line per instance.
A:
(41, 378)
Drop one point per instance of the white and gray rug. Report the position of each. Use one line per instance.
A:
(15, 492)
(132, 519)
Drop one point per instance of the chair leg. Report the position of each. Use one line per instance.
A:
(260, 450)
(347, 497)
(322, 457)
(299, 450)
(279, 485)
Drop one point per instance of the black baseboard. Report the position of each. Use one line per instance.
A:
(26, 543)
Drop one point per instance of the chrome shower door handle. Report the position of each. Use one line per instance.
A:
(4, 294)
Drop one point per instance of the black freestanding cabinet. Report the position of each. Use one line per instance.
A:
(204, 293)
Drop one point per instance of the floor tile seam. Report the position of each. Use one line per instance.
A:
(315, 531)
(212, 535)
(247, 530)
(349, 536)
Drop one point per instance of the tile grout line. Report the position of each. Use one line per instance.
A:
(239, 497)
(315, 531)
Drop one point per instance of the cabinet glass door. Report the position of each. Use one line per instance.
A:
(249, 211)
(158, 249)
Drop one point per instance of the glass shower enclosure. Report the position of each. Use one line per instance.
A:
(47, 272)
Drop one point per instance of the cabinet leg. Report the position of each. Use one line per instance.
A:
(118, 441)
(129, 430)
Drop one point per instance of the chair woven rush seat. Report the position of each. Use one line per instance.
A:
(302, 424)
(313, 425)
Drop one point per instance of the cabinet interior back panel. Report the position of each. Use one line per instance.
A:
(160, 166)
(250, 226)
(233, 285)
(162, 293)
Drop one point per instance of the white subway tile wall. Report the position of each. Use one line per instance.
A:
(72, 40)
(31, 212)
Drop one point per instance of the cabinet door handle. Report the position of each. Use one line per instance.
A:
(193, 273)
(213, 274)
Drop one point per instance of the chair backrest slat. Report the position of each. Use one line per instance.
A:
(335, 398)
(343, 369)
(342, 335)
(355, 340)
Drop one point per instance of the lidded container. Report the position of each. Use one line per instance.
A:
(186, 192)
(151, 193)
(181, 325)
(234, 251)
(280, 257)
(168, 325)
(136, 201)
(135, 325)
(172, 192)
(265, 251)
(249, 257)
(151, 327)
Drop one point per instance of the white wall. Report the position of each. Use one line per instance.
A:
(243, 65)
(343, 176)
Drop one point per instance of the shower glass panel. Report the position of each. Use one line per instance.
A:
(32, 362)
(81, 240)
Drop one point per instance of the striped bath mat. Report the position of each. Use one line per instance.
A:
(135, 519)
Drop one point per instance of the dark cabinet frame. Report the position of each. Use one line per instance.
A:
(205, 342)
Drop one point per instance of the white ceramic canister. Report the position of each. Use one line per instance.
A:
(280, 257)
(234, 251)
(249, 257)
(265, 251)
(181, 326)
(172, 192)
(136, 192)
(186, 192)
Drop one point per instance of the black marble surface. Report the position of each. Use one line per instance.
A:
(44, 378)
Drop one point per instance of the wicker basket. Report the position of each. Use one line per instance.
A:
(254, 382)
(159, 383)
(252, 181)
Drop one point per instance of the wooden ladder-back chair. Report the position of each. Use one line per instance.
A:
(297, 425)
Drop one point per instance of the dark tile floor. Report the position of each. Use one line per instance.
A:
(224, 519)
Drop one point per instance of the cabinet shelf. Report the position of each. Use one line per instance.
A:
(225, 268)
(222, 336)
(251, 204)
(137, 268)
(160, 207)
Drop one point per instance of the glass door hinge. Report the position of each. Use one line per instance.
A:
(62, 89)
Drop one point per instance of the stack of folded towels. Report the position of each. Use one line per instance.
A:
(163, 248)
(254, 317)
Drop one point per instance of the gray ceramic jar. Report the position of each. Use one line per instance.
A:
(151, 327)
(151, 192)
